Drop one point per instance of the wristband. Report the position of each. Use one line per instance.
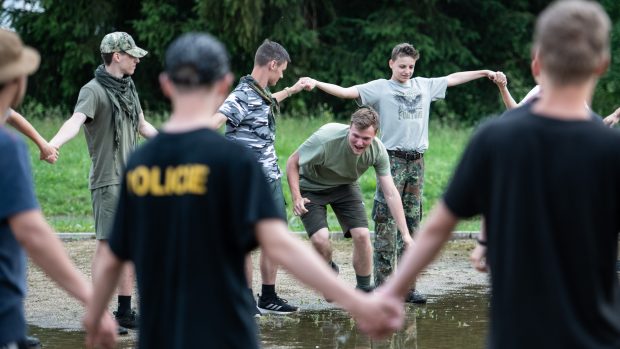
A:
(481, 242)
(288, 93)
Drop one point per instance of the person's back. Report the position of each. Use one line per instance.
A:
(189, 239)
(544, 184)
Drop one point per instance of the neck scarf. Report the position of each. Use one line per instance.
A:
(124, 98)
(274, 106)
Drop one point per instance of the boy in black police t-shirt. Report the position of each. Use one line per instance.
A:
(192, 206)
(547, 183)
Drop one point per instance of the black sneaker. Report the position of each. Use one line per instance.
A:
(366, 289)
(255, 309)
(275, 305)
(335, 267)
(33, 342)
(415, 297)
(121, 331)
(128, 319)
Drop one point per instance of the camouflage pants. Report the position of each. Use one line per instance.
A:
(408, 177)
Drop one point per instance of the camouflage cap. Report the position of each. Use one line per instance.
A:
(16, 59)
(121, 42)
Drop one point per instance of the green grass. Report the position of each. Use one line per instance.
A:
(63, 193)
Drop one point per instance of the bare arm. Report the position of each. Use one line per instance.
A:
(47, 152)
(219, 119)
(45, 249)
(376, 315)
(145, 128)
(433, 235)
(68, 130)
(477, 258)
(395, 204)
(289, 91)
(467, 76)
(292, 175)
(334, 90)
(502, 85)
(108, 272)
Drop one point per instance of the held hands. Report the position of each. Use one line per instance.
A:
(49, 153)
(478, 259)
(500, 79)
(300, 206)
(380, 315)
(103, 334)
(612, 119)
(308, 83)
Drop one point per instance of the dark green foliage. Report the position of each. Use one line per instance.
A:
(344, 42)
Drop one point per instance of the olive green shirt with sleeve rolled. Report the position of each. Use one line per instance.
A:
(326, 159)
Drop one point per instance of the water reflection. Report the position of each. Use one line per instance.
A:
(456, 320)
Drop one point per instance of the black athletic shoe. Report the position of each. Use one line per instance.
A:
(334, 267)
(255, 310)
(415, 297)
(275, 305)
(33, 342)
(128, 319)
(122, 331)
(366, 289)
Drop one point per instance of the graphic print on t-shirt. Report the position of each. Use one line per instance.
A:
(188, 179)
(409, 104)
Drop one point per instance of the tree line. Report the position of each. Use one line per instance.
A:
(343, 41)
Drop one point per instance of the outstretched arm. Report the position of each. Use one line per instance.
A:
(47, 152)
(502, 85)
(376, 315)
(145, 128)
(395, 204)
(466, 76)
(68, 130)
(334, 90)
(429, 241)
(613, 118)
(289, 91)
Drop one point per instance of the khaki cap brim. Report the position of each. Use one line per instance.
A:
(27, 64)
(137, 52)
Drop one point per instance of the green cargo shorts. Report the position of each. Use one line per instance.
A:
(104, 201)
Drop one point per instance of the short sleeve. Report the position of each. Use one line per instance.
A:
(16, 183)
(464, 194)
(235, 107)
(86, 103)
(437, 88)
(311, 152)
(382, 164)
(120, 238)
(370, 92)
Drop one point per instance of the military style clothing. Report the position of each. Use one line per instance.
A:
(250, 112)
(326, 159)
(408, 177)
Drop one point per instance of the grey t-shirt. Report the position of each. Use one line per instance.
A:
(403, 109)
(99, 131)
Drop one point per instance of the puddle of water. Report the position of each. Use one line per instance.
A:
(457, 320)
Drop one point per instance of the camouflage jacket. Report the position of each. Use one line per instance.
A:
(250, 111)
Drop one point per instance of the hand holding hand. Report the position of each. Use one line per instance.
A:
(478, 259)
(101, 334)
(380, 315)
(49, 153)
(308, 83)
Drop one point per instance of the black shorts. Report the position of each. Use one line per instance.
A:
(347, 203)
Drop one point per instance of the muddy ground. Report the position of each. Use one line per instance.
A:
(49, 307)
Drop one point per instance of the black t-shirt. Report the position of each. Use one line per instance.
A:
(186, 217)
(549, 191)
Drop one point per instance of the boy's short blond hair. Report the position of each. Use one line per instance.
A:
(572, 39)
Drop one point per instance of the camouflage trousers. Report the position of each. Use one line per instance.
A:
(408, 177)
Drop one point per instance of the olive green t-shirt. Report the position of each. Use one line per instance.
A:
(99, 131)
(326, 159)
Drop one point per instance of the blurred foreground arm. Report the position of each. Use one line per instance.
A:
(47, 152)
